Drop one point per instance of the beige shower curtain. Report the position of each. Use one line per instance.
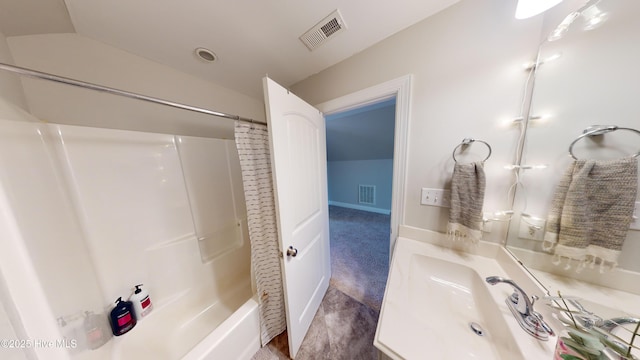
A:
(252, 141)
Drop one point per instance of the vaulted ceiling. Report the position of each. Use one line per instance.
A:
(249, 38)
(365, 133)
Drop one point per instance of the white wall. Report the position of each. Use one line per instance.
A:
(345, 176)
(10, 91)
(78, 57)
(360, 151)
(7, 327)
(467, 71)
(10, 87)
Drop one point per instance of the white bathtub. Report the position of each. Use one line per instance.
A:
(238, 337)
(195, 328)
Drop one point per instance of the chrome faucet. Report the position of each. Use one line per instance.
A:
(522, 309)
(519, 298)
(609, 325)
(586, 320)
(606, 328)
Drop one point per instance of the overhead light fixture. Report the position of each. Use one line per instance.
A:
(563, 27)
(205, 55)
(594, 17)
(528, 8)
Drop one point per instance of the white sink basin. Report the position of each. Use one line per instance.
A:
(446, 298)
(433, 297)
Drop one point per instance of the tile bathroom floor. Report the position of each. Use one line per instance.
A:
(343, 328)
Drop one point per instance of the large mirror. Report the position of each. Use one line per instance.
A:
(588, 73)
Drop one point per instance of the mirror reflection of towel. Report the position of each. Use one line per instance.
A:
(467, 197)
(591, 211)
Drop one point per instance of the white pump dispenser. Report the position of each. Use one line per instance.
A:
(142, 305)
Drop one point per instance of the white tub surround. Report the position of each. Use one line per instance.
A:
(97, 211)
(91, 212)
(416, 320)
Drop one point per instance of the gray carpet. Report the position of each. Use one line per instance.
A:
(359, 254)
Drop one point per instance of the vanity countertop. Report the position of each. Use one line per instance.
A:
(405, 331)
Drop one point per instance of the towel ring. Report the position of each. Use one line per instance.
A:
(600, 130)
(468, 141)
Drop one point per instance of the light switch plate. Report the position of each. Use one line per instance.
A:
(435, 197)
(487, 225)
(531, 228)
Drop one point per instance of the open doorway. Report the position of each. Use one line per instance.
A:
(400, 89)
(360, 146)
(342, 326)
(398, 93)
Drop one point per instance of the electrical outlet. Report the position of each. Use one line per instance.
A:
(487, 226)
(635, 222)
(435, 197)
(487, 222)
(531, 228)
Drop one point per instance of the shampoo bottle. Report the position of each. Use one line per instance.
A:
(122, 317)
(141, 302)
(96, 330)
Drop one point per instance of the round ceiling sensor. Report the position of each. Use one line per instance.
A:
(206, 54)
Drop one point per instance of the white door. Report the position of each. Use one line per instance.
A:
(298, 152)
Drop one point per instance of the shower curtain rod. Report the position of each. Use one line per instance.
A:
(86, 85)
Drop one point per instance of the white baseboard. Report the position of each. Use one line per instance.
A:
(360, 207)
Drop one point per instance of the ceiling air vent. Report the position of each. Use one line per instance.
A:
(319, 34)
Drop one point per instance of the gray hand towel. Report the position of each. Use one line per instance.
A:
(591, 211)
(467, 197)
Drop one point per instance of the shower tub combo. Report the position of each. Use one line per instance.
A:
(101, 210)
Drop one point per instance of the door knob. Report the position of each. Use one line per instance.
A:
(291, 251)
